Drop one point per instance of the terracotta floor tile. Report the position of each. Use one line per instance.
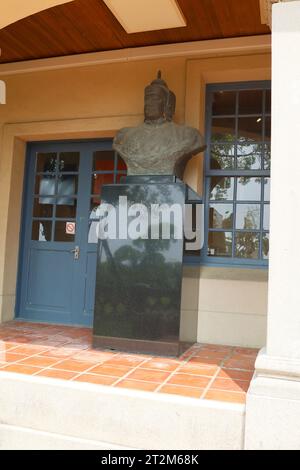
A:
(59, 352)
(73, 365)
(198, 369)
(244, 364)
(113, 371)
(94, 356)
(202, 361)
(57, 374)
(221, 395)
(30, 349)
(11, 357)
(230, 385)
(20, 369)
(189, 380)
(40, 361)
(7, 346)
(235, 374)
(149, 375)
(130, 361)
(95, 379)
(184, 391)
(137, 385)
(161, 364)
(211, 355)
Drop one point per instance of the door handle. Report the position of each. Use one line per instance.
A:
(76, 252)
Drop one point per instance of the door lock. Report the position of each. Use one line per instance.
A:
(76, 252)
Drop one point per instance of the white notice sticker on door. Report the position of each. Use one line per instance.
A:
(70, 228)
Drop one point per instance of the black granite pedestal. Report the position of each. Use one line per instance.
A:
(138, 304)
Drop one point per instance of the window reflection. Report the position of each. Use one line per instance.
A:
(223, 130)
(248, 189)
(247, 245)
(220, 244)
(221, 188)
(248, 216)
(221, 216)
(224, 103)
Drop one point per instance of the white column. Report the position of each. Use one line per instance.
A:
(273, 403)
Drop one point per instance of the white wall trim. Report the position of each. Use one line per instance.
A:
(196, 49)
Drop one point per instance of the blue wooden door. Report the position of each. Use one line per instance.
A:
(59, 249)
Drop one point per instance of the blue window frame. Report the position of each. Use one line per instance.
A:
(237, 174)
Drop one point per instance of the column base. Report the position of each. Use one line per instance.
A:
(273, 405)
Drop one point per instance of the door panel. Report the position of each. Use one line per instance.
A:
(58, 257)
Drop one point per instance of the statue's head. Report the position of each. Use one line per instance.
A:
(160, 102)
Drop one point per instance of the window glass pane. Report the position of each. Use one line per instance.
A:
(68, 210)
(121, 164)
(98, 180)
(220, 216)
(43, 207)
(267, 189)
(95, 203)
(248, 189)
(222, 157)
(223, 130)
(266, 216)
(250, 101)
(247, 245)
(60, 233)
(46, 162)
(45, 185)
(104, 160)
(267, 129)
(221, 188)
(267, 158)
(120, 179)
(224, 103)
(69, 161)
(250, 129)
(220, 244)
(268, 101)
(249, 157)
(247, 216)
(265, 245)
(41, 230)
(67, 186)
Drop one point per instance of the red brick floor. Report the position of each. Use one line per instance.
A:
(205, 371)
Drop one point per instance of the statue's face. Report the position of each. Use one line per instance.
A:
(155, 103)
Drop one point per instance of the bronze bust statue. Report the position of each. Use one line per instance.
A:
(158, 146)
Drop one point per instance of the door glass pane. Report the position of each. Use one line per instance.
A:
(266, 216)
(220, 216)
(43, 207)
(67, 186)
(221, 188)
(61, 232)
(46, 162)
(98, 180)
(95, 203)
(248, 216)
(248, 189)
(250, 101)
(249, 157)
(104, 161)
(224, 103)
(45, 185)
(41, 230)
(250, 129)
(268, 101)
(223, 130)
(69, 162)
(120, 179)
(220, 244)
(267, 159)
(247, 245)
(66, 211)
(265, 245)
(268, 129)
(267, 189)
(222, 157)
